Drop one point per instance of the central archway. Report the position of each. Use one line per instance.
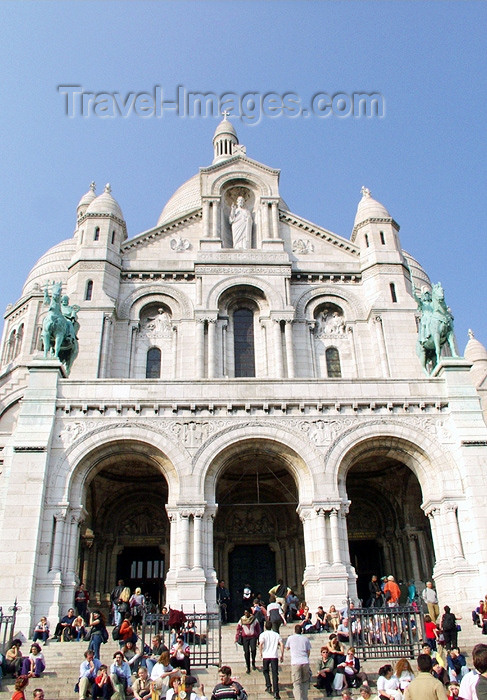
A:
(258, 536)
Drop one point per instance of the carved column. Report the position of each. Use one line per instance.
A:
(413, 553)
(200, 348)
(382, 347)
(351, 335)
(322, 518)
(455, 548)
(198, 538)
(275, 220)
(173, 537)
(209, 521)
(433, 517)
(230, 347)
(174, 341)
(133, 347)
(216, 219)
(288, 332)
(184, 538)
(206, 218)
(223, 346)
(211, 347)
(305, 515)
(278, 348)
(312, 351)
(75, 518)
(265, 219)
(335, 536)
(57, 548)
(105, 345)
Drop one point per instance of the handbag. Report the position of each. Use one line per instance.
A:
(240, 639)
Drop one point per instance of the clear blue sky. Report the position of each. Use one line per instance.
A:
(425, 160)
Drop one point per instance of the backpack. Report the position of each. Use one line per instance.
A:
(448, 622)
(116, 633)
(104, 635)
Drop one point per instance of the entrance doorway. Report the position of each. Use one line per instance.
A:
(253, 565)
(143, 567)
(365, 557)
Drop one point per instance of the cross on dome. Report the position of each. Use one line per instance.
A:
(365, 192)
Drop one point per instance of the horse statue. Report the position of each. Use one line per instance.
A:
(435, 327)
(60, 327)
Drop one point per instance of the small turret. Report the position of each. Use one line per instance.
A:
(85, 201)
(224, 140)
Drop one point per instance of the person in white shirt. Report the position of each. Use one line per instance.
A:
(271, 650)
(300, 648)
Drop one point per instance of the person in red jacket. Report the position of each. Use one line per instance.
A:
(126, 633)
(392, 592)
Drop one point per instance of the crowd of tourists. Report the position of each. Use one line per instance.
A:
(157, 671)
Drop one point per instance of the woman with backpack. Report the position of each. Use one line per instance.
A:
(448, 626)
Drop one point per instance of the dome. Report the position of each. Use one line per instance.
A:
(225, 127)
(419, 276)
(87, 198)
(474, 350)
(369, 208)
(186, 198)
(53, 265)
(105, 204)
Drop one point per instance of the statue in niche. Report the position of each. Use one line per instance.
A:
(158, 326)
(241, 221)
(329, 322)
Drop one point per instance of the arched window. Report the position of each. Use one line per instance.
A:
(382, 238)
(153, 364)
(89, 290)
(392, 287)
(20, 338)
(366, 240)
(11, 346)
(96, 236)
(243, 337)
(113, 237)
(333, 368)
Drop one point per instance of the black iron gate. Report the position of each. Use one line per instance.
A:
(378, 633)
(7, 626)
(201, 631)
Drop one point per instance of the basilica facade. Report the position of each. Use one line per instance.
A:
(244, 401)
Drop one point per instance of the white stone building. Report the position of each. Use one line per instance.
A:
(247, 403)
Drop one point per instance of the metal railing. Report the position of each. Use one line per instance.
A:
(7, 626)
(385, 632)
(201, 631)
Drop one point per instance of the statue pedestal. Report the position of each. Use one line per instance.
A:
(211, 244)
(274, 245)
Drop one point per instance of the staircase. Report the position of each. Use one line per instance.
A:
(63, 660)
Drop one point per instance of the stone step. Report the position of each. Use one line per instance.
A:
(63, 660)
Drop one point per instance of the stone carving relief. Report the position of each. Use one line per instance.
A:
(302, 247)
(179, 244)
(156, 327)
(251, 523)
(329, 322)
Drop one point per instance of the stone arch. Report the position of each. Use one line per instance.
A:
(275, 300)
(301, 458)
(178, 302)
(410, 445)
(252, 179)
(80, 461)
(348, 301)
